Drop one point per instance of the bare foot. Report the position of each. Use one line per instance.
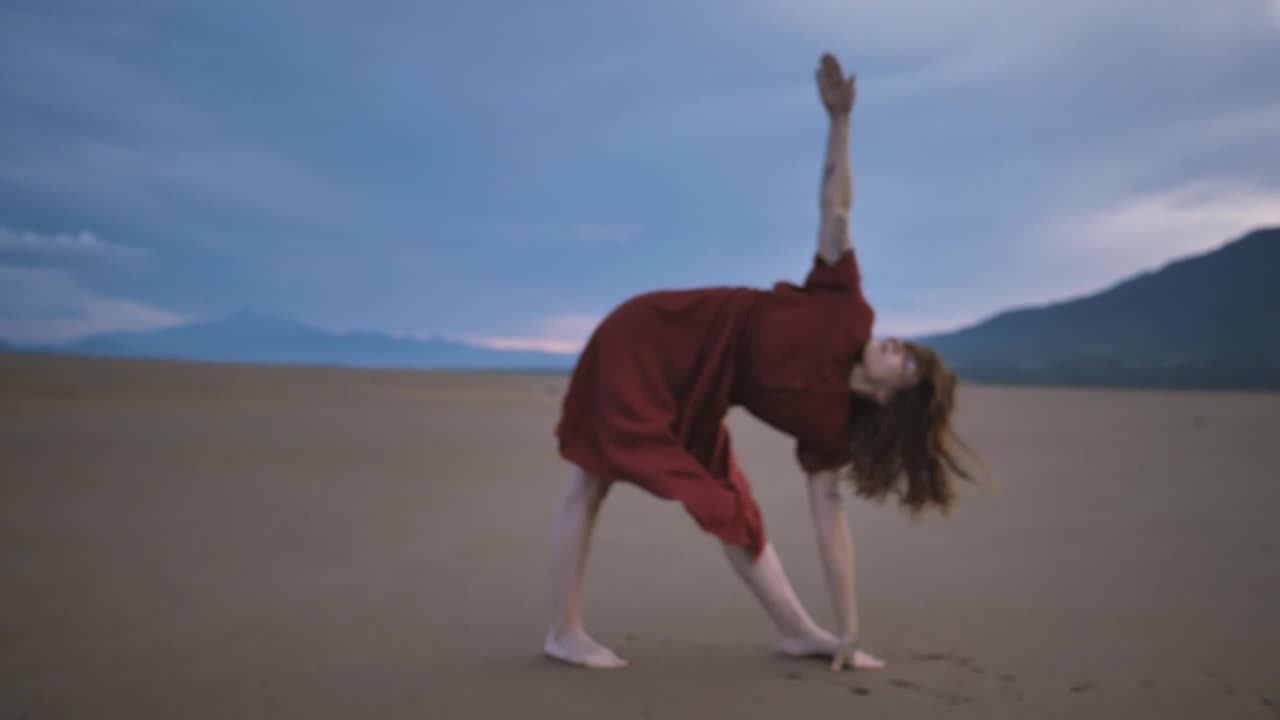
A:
(815, 643)
(578, 648)
(820, 643)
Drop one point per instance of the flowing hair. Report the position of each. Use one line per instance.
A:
(907, 446)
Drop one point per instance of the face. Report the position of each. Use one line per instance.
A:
(889, 365)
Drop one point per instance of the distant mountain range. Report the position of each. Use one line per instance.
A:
(250, 337)
(1209, 321)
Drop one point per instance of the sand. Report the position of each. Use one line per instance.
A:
(192, 541)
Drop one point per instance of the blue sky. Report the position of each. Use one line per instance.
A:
(508, 172)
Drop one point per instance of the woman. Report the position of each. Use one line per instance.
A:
(648, 397)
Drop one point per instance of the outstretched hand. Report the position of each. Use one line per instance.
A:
(837, 91)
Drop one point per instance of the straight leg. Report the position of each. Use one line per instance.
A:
(767, 580)
(571, 530)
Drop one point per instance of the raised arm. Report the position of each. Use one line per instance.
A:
(836, 195)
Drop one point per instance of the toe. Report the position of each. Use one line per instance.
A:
(607, 662)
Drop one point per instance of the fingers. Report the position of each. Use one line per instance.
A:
(830, 76)
(845, 655)
(830, 72)
(855, 659)
(830, 67)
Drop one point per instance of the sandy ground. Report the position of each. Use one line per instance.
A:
(185, 541)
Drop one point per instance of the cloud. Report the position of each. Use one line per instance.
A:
(566, 333)
(26, 247)
(408, 181)
(1084, 252)
(134, 180)
(926, 29)
(562, 347)
(994, 55)
(1149, 229)
(139, 137)
(41, 306)
(883, 28)
(925, 321)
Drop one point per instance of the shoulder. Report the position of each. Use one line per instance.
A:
(816, 458)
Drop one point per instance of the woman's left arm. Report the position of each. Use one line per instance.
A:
(835, 544)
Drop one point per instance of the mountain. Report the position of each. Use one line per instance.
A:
(1208, 321)
(256, 338)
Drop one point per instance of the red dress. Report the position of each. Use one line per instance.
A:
(649, 395)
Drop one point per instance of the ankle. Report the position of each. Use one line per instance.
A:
(805, 632)
(559, 631)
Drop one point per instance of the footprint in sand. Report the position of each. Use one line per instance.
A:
(963, 663)
(1228, 688)
(929, 656)
(1008, 686)
(951, 698)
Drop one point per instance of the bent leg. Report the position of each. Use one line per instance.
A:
(571, 530)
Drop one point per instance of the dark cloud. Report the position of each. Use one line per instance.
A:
(473, 170)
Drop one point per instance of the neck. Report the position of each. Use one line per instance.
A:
(860, 383)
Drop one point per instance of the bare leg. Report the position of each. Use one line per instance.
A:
(768, 582)
(571, 530)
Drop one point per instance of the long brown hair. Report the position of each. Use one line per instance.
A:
(907, 447)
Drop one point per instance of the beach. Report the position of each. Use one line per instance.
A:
(222, 541)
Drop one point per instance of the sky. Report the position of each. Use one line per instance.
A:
(508, 172)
